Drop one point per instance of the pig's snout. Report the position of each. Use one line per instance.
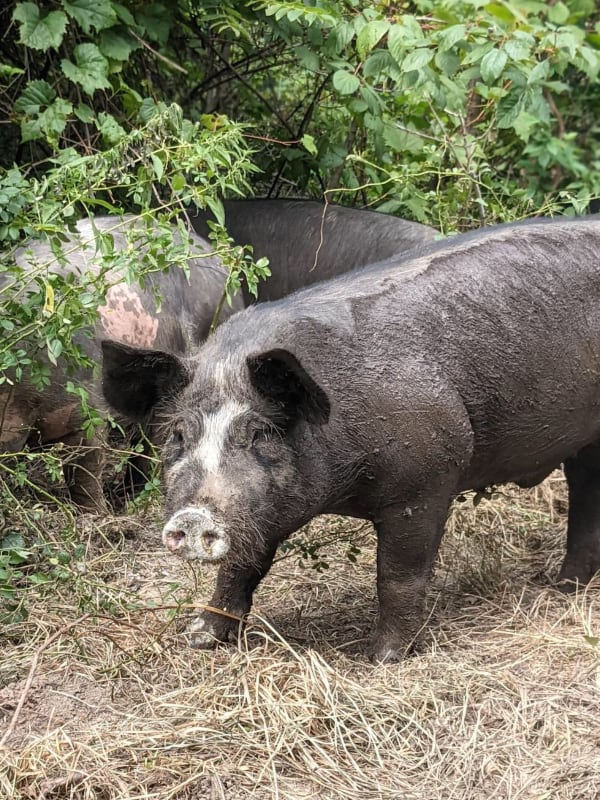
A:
(193, 533)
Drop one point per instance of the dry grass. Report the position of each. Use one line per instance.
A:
(503, 700)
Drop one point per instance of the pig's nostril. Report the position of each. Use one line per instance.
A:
(174, 540)
(209, 538)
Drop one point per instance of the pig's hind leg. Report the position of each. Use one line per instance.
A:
(408, 537)
(582, 559)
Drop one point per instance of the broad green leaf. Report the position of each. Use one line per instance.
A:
(110, 129)
(492, 65)
(149, 108)
(370, 35)
(309, 143)
(558, 13)
(123, 14)
(91, 14)
(54, 346)
(90, 70)
(524, 124)
(46, 114)
(84, 113)
(39, 30)
(517, 49)
(379, 64)
(396, 42)
(447, 62)
(308, 58)
(417, 59)
(31, 129)
(178, 182)
(477, 53)
(357, 105)
(509, 109)
(159, 168)
(372, 99)
(451, 36)
(501, 12)
(117, 43)
(402, 141)
(6, 71)
(156, 21)
(54, 119)
(539, 73)
(36, 95)
(345, 82)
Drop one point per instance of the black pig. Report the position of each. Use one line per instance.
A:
(382, 394)
(306, 241)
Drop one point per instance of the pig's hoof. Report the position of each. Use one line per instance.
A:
(576, 573)
(390, 649)
(206, 634)
(201, 635)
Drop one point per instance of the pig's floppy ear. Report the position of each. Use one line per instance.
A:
(279, 376)
(135, 380)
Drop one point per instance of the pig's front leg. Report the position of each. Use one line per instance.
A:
(408, 537)
(236, 582)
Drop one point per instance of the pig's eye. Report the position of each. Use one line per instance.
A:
(263, 434)
(259, 436)
(176, 441)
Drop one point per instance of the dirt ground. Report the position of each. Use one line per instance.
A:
(100, 696)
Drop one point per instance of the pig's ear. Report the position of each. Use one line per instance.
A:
(279, 376)
(135, 380)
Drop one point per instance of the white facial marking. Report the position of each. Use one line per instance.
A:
(216, 427)
(221, 369)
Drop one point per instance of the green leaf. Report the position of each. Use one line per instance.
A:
(558, 13)
(54, 349)
(54, 118)
(501, 12)
(402, 141)
(518, 49)
(110, 129)
(155, 21)
(308, 58)
(39, 30)
(345, 82)
(6, 71)
(379, 64)
(91, 14)
(370, 35)
(123, 14)
(84, 113)
(447, 62)
(396, 42)
(90, 70)
(451, 36)
(117, 43)
(36, 95)
(159, 169)
(524, 124)
(309, 143)
(216, 206)
(539, 73)
(492, 65)
(417, 59)
(178, 182)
